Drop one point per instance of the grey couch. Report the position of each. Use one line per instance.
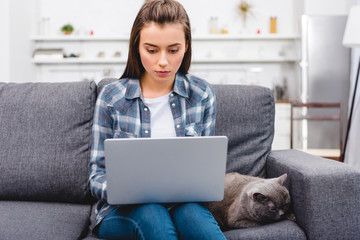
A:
(45, 141)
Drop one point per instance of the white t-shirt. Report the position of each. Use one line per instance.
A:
(162, 121)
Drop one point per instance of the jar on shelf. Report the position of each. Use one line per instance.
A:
(273, 23)
(213, 25)
(44, 26)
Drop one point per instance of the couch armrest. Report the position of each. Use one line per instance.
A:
(325, 193)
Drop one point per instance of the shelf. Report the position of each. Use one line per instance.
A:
(246, 60)
(78, 61)
(206, 37)
(122, 61)
(75, 38)
(230, 37)
(318, 118)
(209, 37)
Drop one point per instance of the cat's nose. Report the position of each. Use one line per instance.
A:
(281, 213)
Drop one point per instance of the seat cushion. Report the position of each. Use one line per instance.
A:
(37, 220)
(45, 140)
(283, 230)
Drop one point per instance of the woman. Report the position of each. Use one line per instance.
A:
(155, 97)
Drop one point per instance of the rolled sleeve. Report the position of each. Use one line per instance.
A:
(101, 130)
(209, 113)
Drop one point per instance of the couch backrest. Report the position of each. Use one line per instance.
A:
(45, 138)
(245, 114)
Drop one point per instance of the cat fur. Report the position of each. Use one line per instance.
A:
(251, 201)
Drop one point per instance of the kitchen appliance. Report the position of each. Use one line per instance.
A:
(325, 74)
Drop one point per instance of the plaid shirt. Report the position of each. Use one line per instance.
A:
(120, 113)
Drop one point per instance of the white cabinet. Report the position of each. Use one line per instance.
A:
(282, 126)
(96, 58)
(265, 60)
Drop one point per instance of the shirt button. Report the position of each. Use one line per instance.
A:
(173, 105)
(171, 95)
(178, 126)
(146, 131)
(145, 109)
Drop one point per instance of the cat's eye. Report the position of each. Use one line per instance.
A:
(260, 197)
(263, 198)
(286, 207)
(273, 209)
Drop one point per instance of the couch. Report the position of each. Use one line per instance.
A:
(45, 139)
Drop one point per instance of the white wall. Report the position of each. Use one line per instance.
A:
(4, 41)
(22, 17)
(327, 7)
(227, 12)
(116, 16)
(110, 17)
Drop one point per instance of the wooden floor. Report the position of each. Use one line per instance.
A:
(333, 154)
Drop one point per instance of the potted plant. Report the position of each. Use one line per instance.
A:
(67, 29)
(245, 10)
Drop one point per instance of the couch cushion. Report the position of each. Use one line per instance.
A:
(283, 230)
(92, 221)
(246, 115)
(45, 140)
(37, 220)
(104, 82)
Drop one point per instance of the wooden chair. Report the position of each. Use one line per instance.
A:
(335, 154)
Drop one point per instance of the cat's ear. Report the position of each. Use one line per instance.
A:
(282, 179)
(258, 197)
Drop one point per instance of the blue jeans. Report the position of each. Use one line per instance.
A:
(154, 221)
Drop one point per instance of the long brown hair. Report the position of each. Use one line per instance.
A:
(160, 12)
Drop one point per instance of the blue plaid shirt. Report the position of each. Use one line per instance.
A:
(121, 113)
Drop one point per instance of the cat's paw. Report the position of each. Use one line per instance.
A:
(245, 224)
(291, 217)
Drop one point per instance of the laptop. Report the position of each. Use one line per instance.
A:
(165, 170)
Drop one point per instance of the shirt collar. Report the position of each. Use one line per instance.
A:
(180, 86)
(133, 89)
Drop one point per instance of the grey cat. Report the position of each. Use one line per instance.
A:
(251, 201)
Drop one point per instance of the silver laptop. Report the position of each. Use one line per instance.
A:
(164, 170)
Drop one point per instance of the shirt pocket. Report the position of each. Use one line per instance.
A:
(194, 129)
(122, 134)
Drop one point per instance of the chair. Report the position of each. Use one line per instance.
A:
(335, 154)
